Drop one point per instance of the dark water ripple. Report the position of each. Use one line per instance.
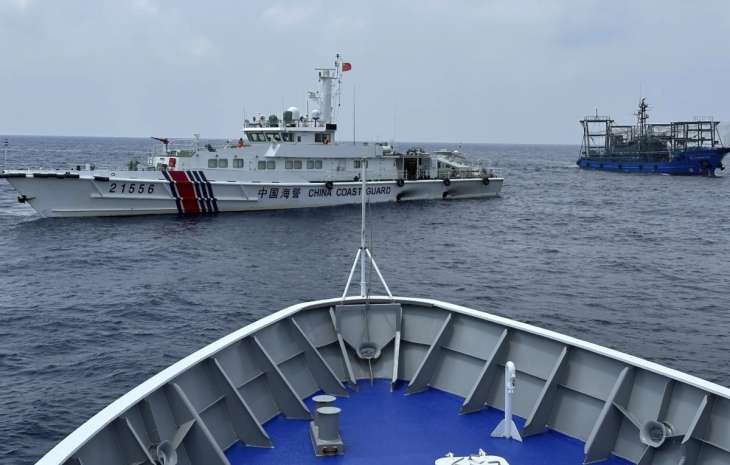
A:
(90, 308)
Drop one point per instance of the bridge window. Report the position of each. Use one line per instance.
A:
(358, 164)
(238, 162)
(261, 165)
(257, 137)
(212, 163)
(289, 164)
(314, 164)
(297, 164)
(323, 138)
(222, 163)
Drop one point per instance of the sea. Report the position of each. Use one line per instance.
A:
(91, 307)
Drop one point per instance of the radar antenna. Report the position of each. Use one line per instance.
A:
(641, 116)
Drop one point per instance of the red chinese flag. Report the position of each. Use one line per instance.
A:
(346, 67)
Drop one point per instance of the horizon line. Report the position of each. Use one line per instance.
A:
(339, 141)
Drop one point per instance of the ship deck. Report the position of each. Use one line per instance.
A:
(380, 426)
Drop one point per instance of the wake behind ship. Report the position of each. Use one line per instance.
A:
(679, 147)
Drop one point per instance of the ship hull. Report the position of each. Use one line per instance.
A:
(690, 163)
(190, 193)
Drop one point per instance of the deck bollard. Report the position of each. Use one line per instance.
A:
(323, 400)
(325, 429)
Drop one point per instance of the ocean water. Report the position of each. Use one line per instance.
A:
(92, 307)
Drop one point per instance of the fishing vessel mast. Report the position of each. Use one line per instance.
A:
(641, 116)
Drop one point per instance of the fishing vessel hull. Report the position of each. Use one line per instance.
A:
(691, 163)
(242, 398)
(74, 194)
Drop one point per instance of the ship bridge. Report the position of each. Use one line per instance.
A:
(315, 127)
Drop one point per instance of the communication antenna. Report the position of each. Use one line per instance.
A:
(641, 94)
(313, 96)
(5, 153)
(395, 116)
(353, 114)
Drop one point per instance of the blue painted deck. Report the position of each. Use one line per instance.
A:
(381, 427)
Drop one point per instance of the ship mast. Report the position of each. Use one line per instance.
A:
(641, 116)
(328, 77)
(363, 254)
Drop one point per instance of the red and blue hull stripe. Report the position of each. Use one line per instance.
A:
(192, 191)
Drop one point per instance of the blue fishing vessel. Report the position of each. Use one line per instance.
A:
(679, 148)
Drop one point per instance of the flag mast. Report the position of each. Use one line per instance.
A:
(363, 254)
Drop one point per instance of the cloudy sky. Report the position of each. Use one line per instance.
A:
(448, 71)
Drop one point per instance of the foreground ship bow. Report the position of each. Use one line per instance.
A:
(283, 161)
(679, 147)
(252, 390)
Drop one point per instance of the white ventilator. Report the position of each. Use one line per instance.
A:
(507, 428)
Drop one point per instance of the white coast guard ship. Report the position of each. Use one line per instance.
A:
(290, 162)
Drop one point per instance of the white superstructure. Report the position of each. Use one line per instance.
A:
(291, 160)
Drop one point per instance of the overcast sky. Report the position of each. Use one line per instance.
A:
(450, 71)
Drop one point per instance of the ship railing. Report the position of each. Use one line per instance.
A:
(629, 157)
(281, 124)
(596, 119)
(187, 147)
(467, 173)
